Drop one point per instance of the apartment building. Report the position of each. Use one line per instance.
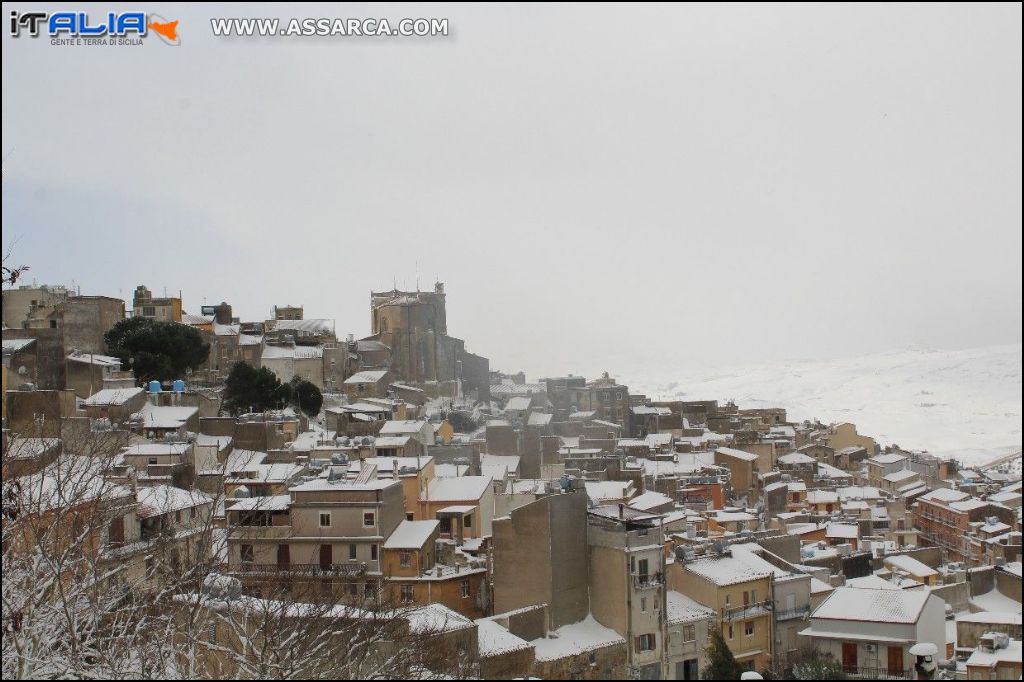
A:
(741, 595)
(627, 584)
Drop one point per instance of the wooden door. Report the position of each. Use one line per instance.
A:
(850, 656)
(326, 558)
(284, 555)
(115, 532)
(895, 659)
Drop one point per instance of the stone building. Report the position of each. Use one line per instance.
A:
(166, 309)
(414, 326)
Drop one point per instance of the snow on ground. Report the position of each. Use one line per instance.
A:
(959, 403)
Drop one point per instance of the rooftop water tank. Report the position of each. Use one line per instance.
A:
(154, 386)
(178, 386)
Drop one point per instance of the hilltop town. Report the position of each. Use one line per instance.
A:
(404, 509)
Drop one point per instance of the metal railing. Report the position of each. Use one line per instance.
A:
(869, 673)
(350, 569)
(753, 610)
(643, 582)
(790, 614)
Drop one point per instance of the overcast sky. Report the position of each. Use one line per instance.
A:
(596, 186)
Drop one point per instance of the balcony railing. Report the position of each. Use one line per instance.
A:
(866, 673)
(644, 582)
(327, 570)
(791, 614)
(753, 610)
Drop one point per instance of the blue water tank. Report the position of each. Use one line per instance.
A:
(154, 386)
(179, 386)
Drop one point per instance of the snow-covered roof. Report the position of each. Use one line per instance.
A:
(796, 458)
(268, 503)
(539, 419)
(367, 376)
(411, 534)
(113, 396)
(312, 325)
(901, 475)
(402, 427)
(859, 492)
(608, 490)
(391, 442)
(829, 471)
(842, 530)
(154, 449)
(822, 497)
(494, 640)
(575, 638)
(31, 447)
(991, 617)
(14, 345)
(164, 417)
(518, 404)
(944, 495)
(874, 582)
(164, 499)
(450, 470)
(321, 484)
(738, 454)
(885, 459)
(649, 500)
(728, 570)
(909, 564)
(872, 605)
(69, 481)
(1011, 653)
(95, 359)
(463, 488)
(682, 609)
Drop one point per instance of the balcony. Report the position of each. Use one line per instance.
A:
(866, 673)
(259, 532)
(349, 570)
(648, 582)
(792, 614)
(746, 611)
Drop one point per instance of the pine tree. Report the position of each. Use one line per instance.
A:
(722, 664)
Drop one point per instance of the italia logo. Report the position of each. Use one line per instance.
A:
(80, 25)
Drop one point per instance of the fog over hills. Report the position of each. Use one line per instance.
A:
(963, 403)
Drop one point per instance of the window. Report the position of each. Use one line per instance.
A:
(592, 658)
(148, 311)
(369, 519)
(464, 587)
(643, 568)
(373, 552)
(325, 519)
(689, 633)
(246, 553)
(748, 628)
(730, 630)
(469, 521)
(643, 604)
(405, 559)
(352, 551)
(407, 594)
(645, 643)
(152, 461)
(409, 516)
(753, 596)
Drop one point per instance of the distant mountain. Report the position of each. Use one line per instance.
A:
(963, 403)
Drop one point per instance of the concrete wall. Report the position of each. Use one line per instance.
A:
(540, 556)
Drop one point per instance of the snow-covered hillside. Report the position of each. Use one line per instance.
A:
(963, 403)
